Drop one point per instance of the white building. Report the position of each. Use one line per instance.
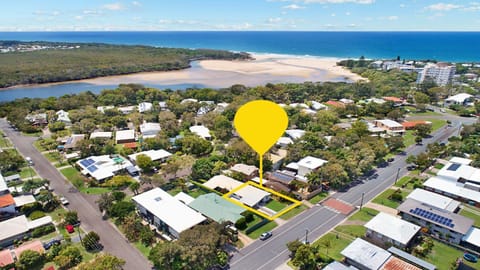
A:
(459, 99)
(434, 199)
(101, 134)
(145, 107)
(127, 109)
(305, 166)
(18, 227)
(385, 228)
(472, 239)
(102, 167)
(102, 109)
(363, 255)
(167, 213)
(201, 131)
(163, 105)
(441, 73)
(62, 116)
(390, 126)
(155, 155)
(318, 106)
(125, 136)
(284, 141)
(149, 130)
(187, 100)
(248, 195)
(295, 134)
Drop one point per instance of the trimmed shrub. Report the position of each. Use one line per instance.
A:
(241, 223)
(43, 230)
(36, 215)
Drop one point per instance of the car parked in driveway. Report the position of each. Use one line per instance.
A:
(265, 235)
(64, 201)
(70, 228)
(51, 243)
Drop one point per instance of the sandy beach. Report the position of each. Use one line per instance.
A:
(265, 68)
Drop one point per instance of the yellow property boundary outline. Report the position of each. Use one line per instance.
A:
(250, 183)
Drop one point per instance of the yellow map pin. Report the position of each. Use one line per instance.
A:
(260, 123)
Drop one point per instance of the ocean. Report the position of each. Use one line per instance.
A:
(441, 46)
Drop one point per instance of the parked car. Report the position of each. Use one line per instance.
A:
(70, 228)
(390, 159)
(64, 200)
(51, 243)
(265, 235)
(29, 161)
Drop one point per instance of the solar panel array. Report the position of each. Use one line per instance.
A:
(87, 162)
(92, 168)
(433, 217)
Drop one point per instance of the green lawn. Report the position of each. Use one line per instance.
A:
(443, 256)
(196, 192)
(437, 123)
(73, 176)
(334, 245)
(143, 249)
(39, 146)
(353, 230)
(317, 198)
(383, 198)
(471, 215)
(408, 138)
(403, 181)
(256, 219)
(265, 228)
(86, 256)
(426, 113)
(275, 205)
(438, 166)
(52, 156)
(57, 215)
(365, 214)
(4, 142)
(27, 173)
(94, 190)
(295, 211)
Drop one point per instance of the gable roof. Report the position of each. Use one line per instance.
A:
(217, 208)
(6, 200)
(393, 227)
(366, 254)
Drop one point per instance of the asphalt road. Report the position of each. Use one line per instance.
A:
(269, 254)
(91, 220)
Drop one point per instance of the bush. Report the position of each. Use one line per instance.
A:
(118, 195)
(90, 241)
(30, 208)
(241, 223)
(396, 197)
(119, 181)
(43, 230)
(36, 215)
(248, 216)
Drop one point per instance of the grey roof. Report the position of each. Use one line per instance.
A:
(412, 259)
(217, 208)
(338, 266)
(366, 254)
(439, 217)
(11, 177)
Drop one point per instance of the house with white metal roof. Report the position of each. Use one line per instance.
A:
(295, 134)
(459, 99)
(145, 107)
(201, 131)
(390, 126)
(472, 239)
(102, 167)
(62, 116)
(305, 166)
(125, 136)
(18, 227)
(101, 134)
(434, 199)
(166, 213)
(155, 155)
(127, 109)
(363, 255)
(385, 228)
(149, 130)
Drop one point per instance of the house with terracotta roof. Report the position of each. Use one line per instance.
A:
(412, 124)
(6, 259)
(7, 204)
(393, 99)
(335, 104)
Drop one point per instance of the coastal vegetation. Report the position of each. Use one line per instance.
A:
(91, 60)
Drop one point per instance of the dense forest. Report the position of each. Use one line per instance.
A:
(88, 60)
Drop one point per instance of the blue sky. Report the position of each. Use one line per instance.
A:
(323, 15)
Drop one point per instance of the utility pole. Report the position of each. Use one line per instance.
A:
(361, 202)
(396, 178)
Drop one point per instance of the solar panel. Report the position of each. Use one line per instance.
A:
(84, 163)
(433, 217)
(90, 161)
(453, 167)
(92, 168)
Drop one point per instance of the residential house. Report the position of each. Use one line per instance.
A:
(407, 257)
(155, 155)
(390, 127)
(6, 259)
(70, 143)
(248, 195)
(394, 100)
(442, 223)
(407, 125)
(184, 198)
(335, 104)
(125, 136)
(385, 228)
(463, 99)
(166, 213)
(365, 256)
(62, 116)
(435, 200)
(217, 208)
(145, 107)
(318, 106)
(189, 100)
(127, 109)
(206, 106)
(19, 227)
(149, 130)
(277, 158)
(248, 171)
(221, 107)
(102, 109)
(102, 167)
(7, 204)
(284, 141)
(101, 135)
(163, 105)
(295, 134)
(37, 119)
(305, 166)
(201, 131)
(347, 101)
